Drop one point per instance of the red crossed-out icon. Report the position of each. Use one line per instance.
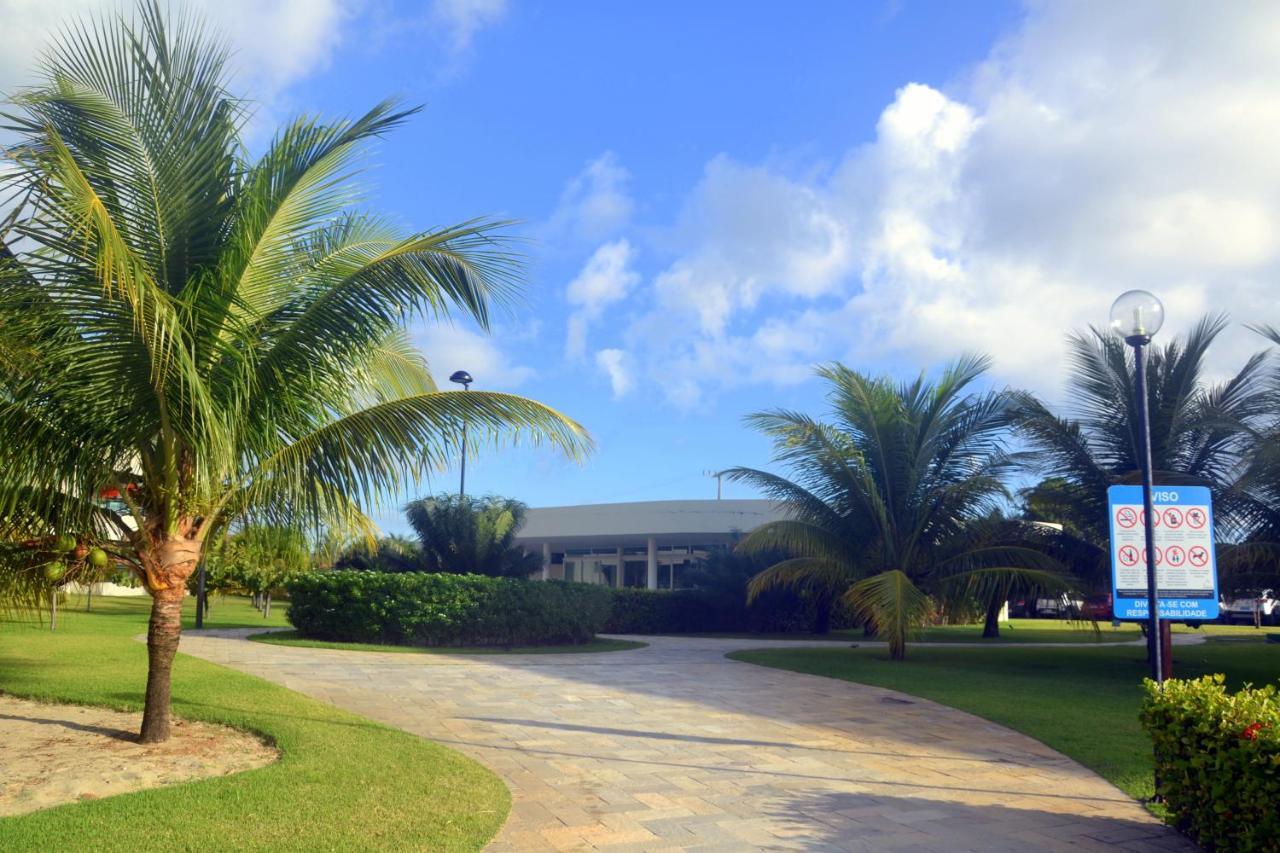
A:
(1159, 556)
(1174, 556)
(1173, 517)
(1126, 516)
(1197, 518)
(1198, 555)
(1128, 555)
(1155, 518)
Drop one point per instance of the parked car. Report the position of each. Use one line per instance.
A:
(1059, 607)
(1263, 608)
(1097, 608)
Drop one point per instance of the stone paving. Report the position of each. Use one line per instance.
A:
(675, 747)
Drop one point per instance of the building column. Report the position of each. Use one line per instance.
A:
(651, 578)
(546, 560)
(619, 575)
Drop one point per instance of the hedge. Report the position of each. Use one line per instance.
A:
(415, 609)
(1217, 761)
(642, 611)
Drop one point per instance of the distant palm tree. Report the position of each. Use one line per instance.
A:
(1199, 429)
(207, 336)
(471, 535)
(891, 501)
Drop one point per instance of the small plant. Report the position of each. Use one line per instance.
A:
(1217, 760)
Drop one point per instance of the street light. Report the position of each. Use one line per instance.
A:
(461, 377)
(1137, 315)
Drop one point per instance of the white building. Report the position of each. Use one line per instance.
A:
(654, 542)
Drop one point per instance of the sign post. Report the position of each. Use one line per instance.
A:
(1186, 569)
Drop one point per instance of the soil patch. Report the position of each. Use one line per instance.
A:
(55, 754)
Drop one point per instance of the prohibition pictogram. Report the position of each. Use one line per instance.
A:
(1198, 556)
(1159, 556)
(1126, 516)
(1155, 517)
(1173, 518)
(1174, 555)
(1197, 518)
(1129, 555)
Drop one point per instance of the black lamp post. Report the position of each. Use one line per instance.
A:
(1137, 315)
(464, 379)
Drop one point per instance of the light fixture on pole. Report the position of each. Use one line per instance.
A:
(461, 377)
(718, 475)
(1137, 315)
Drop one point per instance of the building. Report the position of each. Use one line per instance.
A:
(649, 544)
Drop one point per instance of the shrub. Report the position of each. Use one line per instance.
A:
(1217, 760)
(444, 609)
(642, 611)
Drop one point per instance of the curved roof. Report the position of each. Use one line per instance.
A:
(676, 522)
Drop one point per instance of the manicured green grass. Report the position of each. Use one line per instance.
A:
(1082, 702)
(1017, 632)
(292, 638)
(343, 782)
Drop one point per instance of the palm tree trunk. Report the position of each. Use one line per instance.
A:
(169, 566)
(991, 630)
(163, 634)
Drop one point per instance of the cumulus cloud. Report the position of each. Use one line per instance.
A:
(616, 364)
(450, 348)
(462, 19)
(275, 42)
(1099, 147)
(595, 203)
(605, 279)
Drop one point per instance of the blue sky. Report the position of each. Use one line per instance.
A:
(716, 196)
(660, 90)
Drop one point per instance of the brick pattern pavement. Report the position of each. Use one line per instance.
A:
(674, 747)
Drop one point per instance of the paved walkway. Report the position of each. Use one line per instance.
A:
(674, 747)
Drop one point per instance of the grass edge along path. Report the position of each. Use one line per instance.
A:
(1082, 702)
(342, 783)
(293, 638)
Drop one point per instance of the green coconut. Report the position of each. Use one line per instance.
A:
(54, 571)
(64, 542)
(97, 558)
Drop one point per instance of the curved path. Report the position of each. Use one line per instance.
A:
(675, 747)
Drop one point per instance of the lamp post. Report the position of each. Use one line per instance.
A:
(1137, 315)
(464, 379)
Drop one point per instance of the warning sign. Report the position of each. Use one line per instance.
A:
(1186, 575)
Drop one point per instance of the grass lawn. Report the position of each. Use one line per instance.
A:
(1082, 702)
(343, 783)
(292, 638)
(1020, 631)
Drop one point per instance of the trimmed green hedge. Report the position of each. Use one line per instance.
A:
(1218, 761)
(414, 609)
(691, 611)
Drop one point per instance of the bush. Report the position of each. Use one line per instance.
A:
(642, 611)
(1217, 761)
(415, 609)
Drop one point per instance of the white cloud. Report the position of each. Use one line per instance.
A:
(450, 348)
(616, 364)
(1101, 146)
(596, 202)
(605, 279)
(275, 42)
(462, 19)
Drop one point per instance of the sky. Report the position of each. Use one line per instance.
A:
(713, 197)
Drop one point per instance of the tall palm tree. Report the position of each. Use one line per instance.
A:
(208, 336)
(462, 534)
(1198, 428)
(891, 501)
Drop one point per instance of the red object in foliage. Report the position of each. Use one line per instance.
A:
(1251, 731)
(108, 493)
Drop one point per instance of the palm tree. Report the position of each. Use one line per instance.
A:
(1198, 428)
(891, 501)
(210, 336)
(461, 534)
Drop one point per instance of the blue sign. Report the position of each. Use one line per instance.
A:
(1186, 567)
